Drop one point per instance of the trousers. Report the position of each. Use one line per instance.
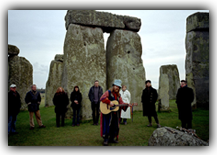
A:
(95, 112)
(155, 117)
(12, 123)
(38, 118)
(187, 124)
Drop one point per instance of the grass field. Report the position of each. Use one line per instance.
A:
(135, 133)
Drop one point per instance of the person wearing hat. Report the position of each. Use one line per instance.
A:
(149, 97)
(184, 98)
(14, 105)
(33, 100)
(109, 123)
(76, 99)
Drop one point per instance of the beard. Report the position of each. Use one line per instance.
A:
(116, 90)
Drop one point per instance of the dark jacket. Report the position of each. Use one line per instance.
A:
(149, 97)
(34, 98)
(60, 100)
(91, 94)
(76, 96)
(14, 103)
(184, 98)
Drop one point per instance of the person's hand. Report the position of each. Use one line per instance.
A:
(111, 104)
(39, 103)
(29, 103)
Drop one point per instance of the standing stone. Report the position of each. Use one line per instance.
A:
(54, 79)
(124, 62)
(20, 73)
(13, 50)
(84, 62)
(169, 84)
(197, 57)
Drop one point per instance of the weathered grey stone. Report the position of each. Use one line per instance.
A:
(13, 50)
(197, 65)
(20, 73)
(197, 21)
(164, 137)
(169, 83)
(107, 21)
(84, 62)
(124, 62)
(54, 81)
(59, 57)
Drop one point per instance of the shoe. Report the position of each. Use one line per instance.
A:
(158, 126)
(149, 125)
(73, 125)
(112, 141)
(43, 126)
(78, 124)
(125, 123)
(31, 128)
(97, 124)
(105, 143)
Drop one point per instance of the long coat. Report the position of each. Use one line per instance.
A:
(184, 98)
(76, 96)
(60, 100)
(14, 103)
(149, 97)
(34, 98)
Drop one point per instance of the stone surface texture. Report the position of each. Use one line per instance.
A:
(84, 62)
(13, 50)
(20, 73)
(107, 21)
(164, 137)
(197, 60)
(124, 62)
(54, 79)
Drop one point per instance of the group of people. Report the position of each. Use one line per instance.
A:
(109, 123)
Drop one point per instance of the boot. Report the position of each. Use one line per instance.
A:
(149, 125)
(158, 126)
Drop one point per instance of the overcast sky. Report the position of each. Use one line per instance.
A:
(39, 34)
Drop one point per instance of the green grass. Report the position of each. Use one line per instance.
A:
(135, 133)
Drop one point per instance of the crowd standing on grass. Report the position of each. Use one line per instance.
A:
(109, 123)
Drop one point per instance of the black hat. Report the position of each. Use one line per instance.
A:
(147, 81)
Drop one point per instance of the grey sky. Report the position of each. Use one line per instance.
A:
(39, 34)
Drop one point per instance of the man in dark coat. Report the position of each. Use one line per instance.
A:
(14, 105)
(33, 99)
(184, 98)
(95, 94)
(149, 97)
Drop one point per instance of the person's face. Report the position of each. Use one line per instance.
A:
(148, 84)
(76, 89)
(124, 88)
(96, 84)
(13, 89)
(61, 90)
(34, 88)
(116, 89)
(183, 84)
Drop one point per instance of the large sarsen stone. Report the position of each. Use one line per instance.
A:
(107, 21)
(124, 62)
(84, 62)
(54, 79)
(20, 73)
